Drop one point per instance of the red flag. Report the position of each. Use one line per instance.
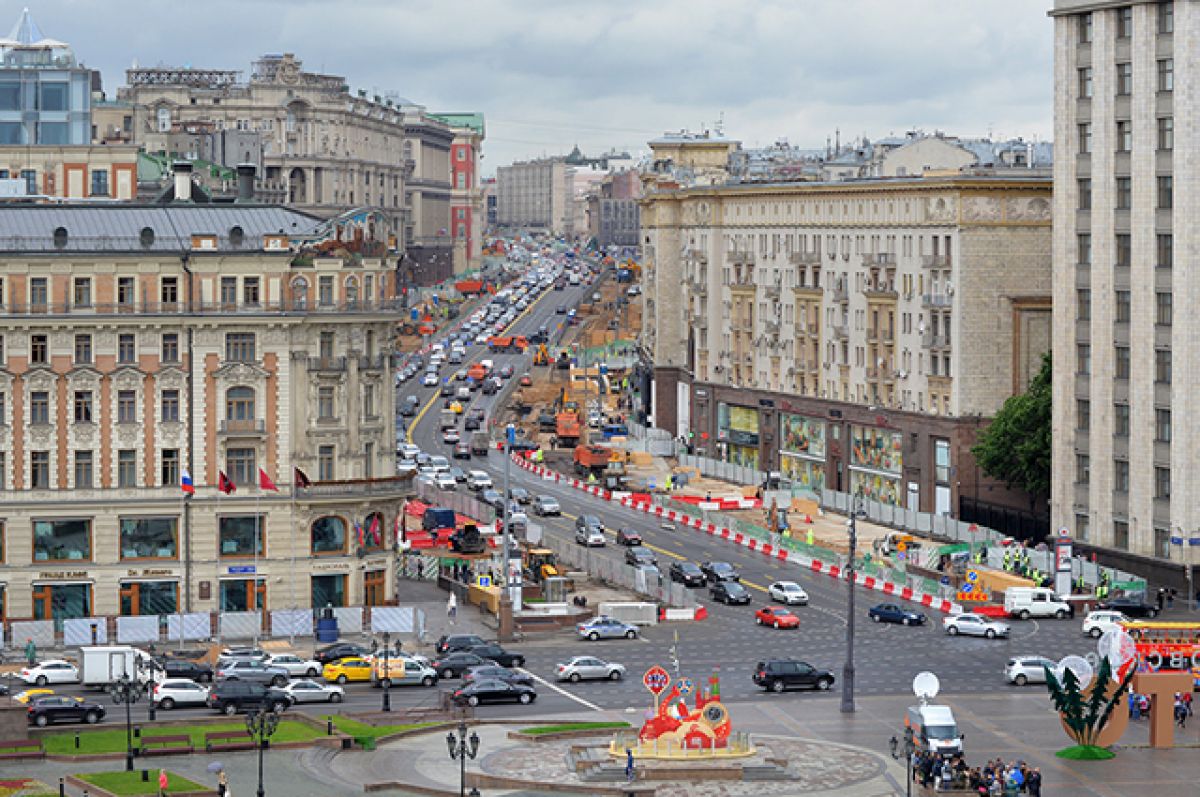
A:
(301, 478)
(224, 484)
(264, 481)
(376, 531)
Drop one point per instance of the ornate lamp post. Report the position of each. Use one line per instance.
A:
(261, 726)
(128, 691)
(848, 669)
(909, 748)
(387, 671)
(461, 748)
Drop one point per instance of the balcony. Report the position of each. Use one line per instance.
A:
(879, 259)
(880, 289)
(740, 256)
(841, 331)
(243, 426)
(393, 486)
(327, 364)
(932, 341)
(840, 293)
(771, 292)
(771, 328)
(872, 335)
(935, 261)
(806, 258)
(375, 362)
(936, 300)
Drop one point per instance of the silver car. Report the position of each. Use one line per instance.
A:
(974, 625)
(583, 668)
(603, 627)
(250, 670)
(178, 692)
(309, 691)
(1027, 670)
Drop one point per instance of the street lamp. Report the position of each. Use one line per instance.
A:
(461, 748)
(387, 672)
(909, 748)
(261, 726)
(848, 669)
(128, 691)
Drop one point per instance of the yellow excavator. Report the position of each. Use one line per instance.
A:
(542, 355)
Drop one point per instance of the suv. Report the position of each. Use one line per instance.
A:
(230, 697)
(340, 650)
(46, 710)
(498, 654)
(1100, 620)
(251, 670)
(185, 668)
(640, 556)
(453, 642)
(779, 674)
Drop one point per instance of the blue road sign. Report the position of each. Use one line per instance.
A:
(241, 570)
(972, 575)
(510, 432)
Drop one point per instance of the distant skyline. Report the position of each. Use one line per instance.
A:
(553, 74)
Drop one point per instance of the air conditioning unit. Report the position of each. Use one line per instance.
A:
(949, 289)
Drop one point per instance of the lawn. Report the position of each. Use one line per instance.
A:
(131, 782)
(113, 740)
(361, 730)
(574, 726)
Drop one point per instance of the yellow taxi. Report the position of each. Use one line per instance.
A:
(456, 407)
(29, 694)
(347, 669)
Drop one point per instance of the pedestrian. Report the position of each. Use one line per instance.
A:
(1187, 702)
(1171, 598)
(1033, 784)
(222, 785)
(629, 770)
(1180, 711)
(452, 606)
(1133, 705)
(30, 652)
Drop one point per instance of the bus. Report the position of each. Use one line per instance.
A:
(1166, 646)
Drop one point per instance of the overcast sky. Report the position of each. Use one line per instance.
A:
(550, 74)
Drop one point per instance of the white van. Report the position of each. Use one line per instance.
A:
(1026, 602)
(934, 729)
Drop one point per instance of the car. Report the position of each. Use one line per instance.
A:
(444, 481)
(452, 642)
(493, 652)
(348, 669)
(429, 380)
(507, 371)
(455, 404)
(1130, 607)
(720, 571)
(1021, 670)
(479, 480)
(895, 613)
(403, 670)
(971, 624)
(230, 697)
(307, 690)
(458, 473)
(251, 670)
(409, 410)
(520, 495)
(628, 536)
(422, 459)
(28, 695)
(51, 671)
(496, 672)
(455, 663)
(460, 375)
(589, 668)
(446, 391)
(493, 498)
(461, 451)
(730, 592)
(185, 668)
(48, 710)
(1099, 621)
(340, 650)
(471, 423)
(560, 310)
(526, 380)
(474, 694)
(788, 592)
(776, 617)
(296, 666)
(523, 444)
(173, 692)
(490, 386)
(640, 555)
(408, 451)
(687, 573)
(590, 536)
(588, 522)
(451, 437)
(439, 464)
(604, 627)
(777, 675)
(546, 506)
(243, 654)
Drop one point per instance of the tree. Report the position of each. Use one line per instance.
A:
(1015, 448)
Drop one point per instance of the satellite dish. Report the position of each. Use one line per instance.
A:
(926, 685)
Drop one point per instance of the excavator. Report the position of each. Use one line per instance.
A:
(542, 355)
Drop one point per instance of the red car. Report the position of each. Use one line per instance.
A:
(776, 617)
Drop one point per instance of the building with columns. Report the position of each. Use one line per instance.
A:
(139, 343)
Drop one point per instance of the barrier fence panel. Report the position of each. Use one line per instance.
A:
(197, 625)
(240, 625)
(85, 631)
(350, 619)
(40, 631)
(291, 623)
(395, 620)
(132, 630)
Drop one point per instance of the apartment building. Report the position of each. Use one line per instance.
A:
(1125, 101)
(854, 335)
(142, 343)
(535, 195)
(466, 195)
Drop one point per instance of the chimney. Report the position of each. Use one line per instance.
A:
(245, 182)
(183, 181)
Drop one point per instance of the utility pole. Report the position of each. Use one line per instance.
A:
(848, 669)
(506, 609)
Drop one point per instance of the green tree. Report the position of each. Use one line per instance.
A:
(1015, 448)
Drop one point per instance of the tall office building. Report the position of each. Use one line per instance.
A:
(45, 95)
(1123, 392)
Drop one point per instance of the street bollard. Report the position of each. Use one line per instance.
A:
(145, 776)
(76, 741)
(62, 787)
(328, 728)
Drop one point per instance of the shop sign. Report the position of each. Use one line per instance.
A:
(150, 572)
(61, 574)
(740, 438)
(241, 570)
(330, 567)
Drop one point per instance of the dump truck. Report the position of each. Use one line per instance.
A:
(470, 287)
(591, 459)
(566, 429)
(478, 372)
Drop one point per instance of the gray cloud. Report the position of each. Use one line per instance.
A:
(552, 73)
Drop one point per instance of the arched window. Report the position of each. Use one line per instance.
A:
(239, 404)
(374, 532)
(300, 293)
(351, 290)
(328, 535)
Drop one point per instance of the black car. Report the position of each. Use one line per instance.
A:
(688, 574)
(1130, 607)
(523, 444)
(490, 386)
(720, 571)
(640, 556)
(779, 674)
(494, 691)
(471, 423)
(626, 536)
(507, 371)
(453, 642)
(494, 672)
(230, 697)
(520, 495)
(183, 668)
(340, 650)
(730, 592)
(455, 663)
(894, 613)
(48, 710)
(498, 654)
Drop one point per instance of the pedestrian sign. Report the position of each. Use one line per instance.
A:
(485, 581)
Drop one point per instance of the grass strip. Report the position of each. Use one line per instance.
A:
(574, 726)
(132, 783)
(113, 740)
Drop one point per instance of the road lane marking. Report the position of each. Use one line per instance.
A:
(560, 690)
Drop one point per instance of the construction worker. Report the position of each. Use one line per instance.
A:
(810, 538)
(979, 556)
(591, 479)
(1008, 560)
(668, 484)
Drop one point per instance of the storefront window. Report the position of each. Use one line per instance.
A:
(149, 598)
(239, 595)
(238, 535)
(329, 535)
(876, 461)
(61, 601)
(149, 538)
(329, 590)
(737, 427)
(62, 540)
(802, 451)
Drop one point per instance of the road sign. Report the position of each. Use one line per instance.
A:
(945, 581)
(972, 575)
(900, 555)
(902, 546)
(485, 581)
(241, 570)
(656, 680)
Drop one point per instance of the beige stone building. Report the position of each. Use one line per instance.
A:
(1127, 90)
(102, 171)
(854, 335)
(535, 195)
(140, 343)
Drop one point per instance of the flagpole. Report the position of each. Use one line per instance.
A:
(257, 537)
(292, 551)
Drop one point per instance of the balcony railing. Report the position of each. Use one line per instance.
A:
(840, 292)
(935, 261)
(932, 341)
(393, 485)
(332, 364)
(243, 426)
(373, 362)
(935, 300)
(804, 258)
(877, 259)
(771, 292)
(27, 309)
(841, 331)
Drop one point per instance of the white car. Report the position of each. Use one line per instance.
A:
(179, 692)
(974, 625)
(309, 691)
(451, 436)
(583, 668)
(439, 464)
(788, 592)
(295, 665)
(1097, 622)
(590, 537)
(430, 380)
(444, 481)
(1027, 670)
(51, 671)
(408, 450)
(479, 480)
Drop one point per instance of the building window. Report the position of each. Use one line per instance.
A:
(300, 293)
(1121, 420)
(170, 347)
(1083, 304)
(1085, 138)
(1125, 22)
(1166, 133)
(239, 404)
(1124, 78)
(1083, 245)
(1162, 482)
(30, 178)
(1162, 366)
(170, 406)
(241, 535)
(81, 292)
(126, 348)
(229, 291)
(127, 467)
(1085, 193)
(1166, 192)
(1166, 16)
(1124, 250)
(325, 290)
(126, 406)
(1121, 535)
(62, 540)
(239, 347)
(83, 469)
(1083, 358)
(1083, 469)
(1164, 247)
(83, 349)
(250, 294)
(1163, 308)
(326, 343)
(1121, 475)
(1166, 74)
(369, 401)
(328, 535)
(99, 182)
(1083, 414)
(1122, 298)
(1085, 28)
(1085, 83)
(38, 294)
(169, 467)
(325, 463)
(149, 538)
(1162, 426)
(325, 398)
(1125, 135)
(39, 408)
(83, 406)
(1124, 193)
(125, 291)
(1121, 354)
(169, 291)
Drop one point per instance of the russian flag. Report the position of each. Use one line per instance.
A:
(185, 483)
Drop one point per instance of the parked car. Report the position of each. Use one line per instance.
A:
(604, 627)
(492, 651)
(1022, 670)
(29, 695)
(974, 625)
(51, 671)
(252, 670)
(496, 672)
(788, 592)
(1099, 621)
(230, 697)
(720, 571)
(895, 613)
(455, 663)
(295, 665)
(730, 592)
(174, 692)
(453, 642)
(48, 710)
(339, 650)
(479, 692)
(403, 670)
(581, 668)
(307, 690)
(628, 536)
(776, 617)
(545, 505)
(777, 675)
(640, 556)
(347, 669)
(185, 668)
(687, 573)
(1130, 607)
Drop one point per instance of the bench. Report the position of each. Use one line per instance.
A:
(21, 748)
(227, 741)
(166, 745)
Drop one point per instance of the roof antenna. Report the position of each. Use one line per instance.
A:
(720, 128)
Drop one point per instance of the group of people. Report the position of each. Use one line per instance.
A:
(1016, 560)
(993, 779)
(1181, 709)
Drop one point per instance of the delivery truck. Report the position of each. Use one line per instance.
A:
(104, 664)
